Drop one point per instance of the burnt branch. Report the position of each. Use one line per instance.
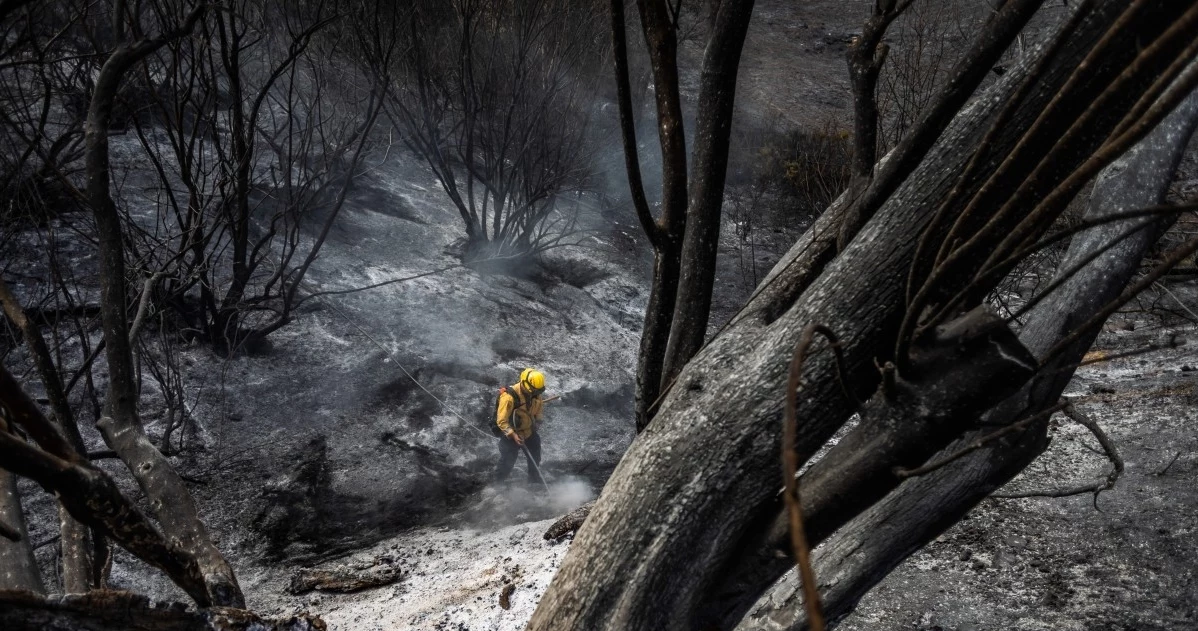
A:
(120, 611)
(628, 126)
(1096, 486)
(978, 443)
(10, 533)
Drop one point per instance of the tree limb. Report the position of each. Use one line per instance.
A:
(1094, 487)
(628, 126)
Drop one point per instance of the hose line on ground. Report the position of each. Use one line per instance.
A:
(468, 424)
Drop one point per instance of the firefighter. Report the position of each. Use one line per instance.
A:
(518, 416)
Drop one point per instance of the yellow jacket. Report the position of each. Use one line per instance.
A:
(527, 412)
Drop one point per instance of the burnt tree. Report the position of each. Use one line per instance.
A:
(121, 427)
(686, 233)
(686, 503)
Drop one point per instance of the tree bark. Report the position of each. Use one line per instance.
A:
(701, 478)
(121, 428)
(861, 554)
(709, 166)
(662, 42)
(18, 567)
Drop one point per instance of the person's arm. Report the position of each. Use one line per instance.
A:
(506, 405)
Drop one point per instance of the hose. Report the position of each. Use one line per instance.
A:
(445, 406)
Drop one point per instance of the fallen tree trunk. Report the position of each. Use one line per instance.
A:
(860, 555)
(121, 611)
(343, 579)
(569, 523)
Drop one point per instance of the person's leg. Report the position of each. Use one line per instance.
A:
(508, 450)
(533, 443)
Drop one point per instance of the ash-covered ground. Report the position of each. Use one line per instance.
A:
(1122, 561)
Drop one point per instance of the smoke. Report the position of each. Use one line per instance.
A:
(517, 501)
(568, 493)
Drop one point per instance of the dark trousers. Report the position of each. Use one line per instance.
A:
(509, 450)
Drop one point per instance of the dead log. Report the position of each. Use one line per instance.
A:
(343, 579)
(569, 523)
(103, 610)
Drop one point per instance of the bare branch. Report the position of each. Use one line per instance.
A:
(1094, 487)
(628, 126)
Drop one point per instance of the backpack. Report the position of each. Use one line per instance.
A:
(495, 413)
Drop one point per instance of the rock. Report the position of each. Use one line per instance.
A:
(1017, 542)
(505, 595)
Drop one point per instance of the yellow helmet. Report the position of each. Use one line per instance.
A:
(533, 380)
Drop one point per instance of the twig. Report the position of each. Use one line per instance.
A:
(1095, 487)
(41, 544)
(10, 533)
(143, 305)
(790, 469)
(1151, 347)
(1166, 468)
(1179, 302)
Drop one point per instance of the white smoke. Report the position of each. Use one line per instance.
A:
(569, 492)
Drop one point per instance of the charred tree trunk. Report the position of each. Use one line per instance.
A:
(686, 236)
(709, 164)
(687, 495)
(18, 567)
(868, 548)
(661, 37)
(121, 427)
